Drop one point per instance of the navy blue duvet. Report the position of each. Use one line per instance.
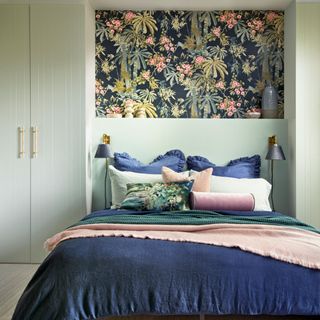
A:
(99, 277)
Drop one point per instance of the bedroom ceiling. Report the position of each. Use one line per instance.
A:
(190, 4)
(171, 4)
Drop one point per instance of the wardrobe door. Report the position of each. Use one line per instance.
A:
(14, 133)
(57, 117)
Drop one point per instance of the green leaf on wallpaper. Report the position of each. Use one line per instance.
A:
(144, 22)
(215, 67)
(243, 32)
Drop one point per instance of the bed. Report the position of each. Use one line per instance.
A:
(114, 274)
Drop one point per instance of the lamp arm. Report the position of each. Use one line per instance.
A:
(272, 187)
(105, 184)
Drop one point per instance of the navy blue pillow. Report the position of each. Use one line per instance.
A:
(246, 167)
(199, 163)
(240, 170)
(173, 159)
(254, 161)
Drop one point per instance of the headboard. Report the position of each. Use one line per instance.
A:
(218, 140)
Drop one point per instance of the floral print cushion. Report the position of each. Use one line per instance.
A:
(157, 196)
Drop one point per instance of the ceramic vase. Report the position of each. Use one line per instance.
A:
(270, 102)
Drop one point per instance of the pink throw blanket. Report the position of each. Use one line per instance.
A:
(287, 244)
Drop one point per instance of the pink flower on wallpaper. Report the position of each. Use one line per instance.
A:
(230, 18)
(222, 105)
(199, 60)
(100, 89)
(271, 16)
(217, 32)
(229, 106)
(160, 66)
(166, 43)
(231, 110)
(237, 88)
(185, 69)
(259, 24)
(235, 84)
(157, 61)
(164, 40)
(256, 25)
(115, 25)
(220, 85)
(150, 40)
(129, 16)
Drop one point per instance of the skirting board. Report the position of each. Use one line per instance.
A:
(218, 140)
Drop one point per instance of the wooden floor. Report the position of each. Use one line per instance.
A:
(13, 280)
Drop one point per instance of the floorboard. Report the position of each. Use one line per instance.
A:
(13, 280)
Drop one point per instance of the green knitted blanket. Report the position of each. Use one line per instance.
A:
(195, 217)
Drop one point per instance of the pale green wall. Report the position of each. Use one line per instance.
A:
(218, 140)
(308, 113)
(290, 98)
(90, 95)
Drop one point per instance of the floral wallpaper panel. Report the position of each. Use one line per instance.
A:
(183, 64)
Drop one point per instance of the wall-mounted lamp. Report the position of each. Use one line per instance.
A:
(275, 152)
(104, 152)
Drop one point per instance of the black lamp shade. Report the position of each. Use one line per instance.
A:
(104, 151)
(275, 153)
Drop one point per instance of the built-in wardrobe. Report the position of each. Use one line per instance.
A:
(42, 126)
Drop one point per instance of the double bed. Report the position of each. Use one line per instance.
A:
(99, 271)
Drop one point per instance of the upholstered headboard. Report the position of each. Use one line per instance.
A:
(218, 140)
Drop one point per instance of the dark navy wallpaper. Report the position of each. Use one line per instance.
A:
(182, 64)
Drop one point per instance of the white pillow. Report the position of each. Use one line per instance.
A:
(260, 188)
(120, 179)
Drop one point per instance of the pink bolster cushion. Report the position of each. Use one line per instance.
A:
(221, 201)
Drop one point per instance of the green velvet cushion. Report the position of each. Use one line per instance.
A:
(157, 196)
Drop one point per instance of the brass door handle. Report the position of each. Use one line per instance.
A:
(21, 142)
(35, 132)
